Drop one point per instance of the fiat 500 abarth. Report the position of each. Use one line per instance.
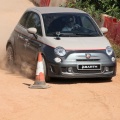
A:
(71, 43)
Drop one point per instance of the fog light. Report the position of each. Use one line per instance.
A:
(106, 69)
(57, 60)
(70, 70)
(113, 59)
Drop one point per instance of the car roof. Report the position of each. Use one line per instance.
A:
(44, 10)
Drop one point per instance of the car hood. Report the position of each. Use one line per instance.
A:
(78, 43)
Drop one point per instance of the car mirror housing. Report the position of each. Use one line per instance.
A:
(32, 31)
(104, 30)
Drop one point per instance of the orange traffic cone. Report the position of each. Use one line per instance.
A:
(40, 77)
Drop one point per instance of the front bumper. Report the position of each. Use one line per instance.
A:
(71, 71)
(74, 58)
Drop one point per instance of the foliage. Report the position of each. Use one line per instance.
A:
(116, 48)
(110, 7)
(85, 6)
(96, 7)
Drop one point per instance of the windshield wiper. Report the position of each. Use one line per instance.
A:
(87, 34)
(72, 34)
(61, 34)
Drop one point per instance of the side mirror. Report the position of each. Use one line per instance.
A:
(32, 31)
(103, 30)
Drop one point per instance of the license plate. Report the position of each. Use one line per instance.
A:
(89, 67)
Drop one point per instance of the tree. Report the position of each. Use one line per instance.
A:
(96, 7)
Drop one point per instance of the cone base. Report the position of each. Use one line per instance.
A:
(39, 86)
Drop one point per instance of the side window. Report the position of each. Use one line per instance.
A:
(34, 21)
(87, 23)
(24, 19)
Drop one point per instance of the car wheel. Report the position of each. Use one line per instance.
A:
(10, 56)
(47, 78)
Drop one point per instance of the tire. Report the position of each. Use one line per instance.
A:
(10, 56)
(47, 78)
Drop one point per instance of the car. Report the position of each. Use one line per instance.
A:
(69, 40)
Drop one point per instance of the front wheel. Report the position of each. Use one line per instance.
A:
(47, 78)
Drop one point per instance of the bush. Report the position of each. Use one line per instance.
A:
(85, 6)
(116, 49)
(96, 7)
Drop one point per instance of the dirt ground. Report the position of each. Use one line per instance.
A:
(75, 99)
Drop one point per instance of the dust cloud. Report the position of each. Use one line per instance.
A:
(10, 14)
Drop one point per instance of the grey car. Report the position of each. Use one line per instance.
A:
(71, 43)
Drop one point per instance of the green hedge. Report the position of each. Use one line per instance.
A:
(116, 49)
(96, 7)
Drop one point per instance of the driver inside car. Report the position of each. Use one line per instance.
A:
(70, 25)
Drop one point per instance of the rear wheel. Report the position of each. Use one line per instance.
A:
(10, 56)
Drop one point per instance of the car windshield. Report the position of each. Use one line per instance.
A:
(70, 25)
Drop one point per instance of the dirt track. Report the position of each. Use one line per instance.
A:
(76, 99)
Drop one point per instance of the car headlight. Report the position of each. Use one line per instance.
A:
(60, 51)
(109, 50)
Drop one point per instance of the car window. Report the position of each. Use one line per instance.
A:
(24, 18)
(34, 21)
(70, 24)
(87, 23)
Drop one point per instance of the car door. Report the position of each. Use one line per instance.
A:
(21, 38)
(33, 45)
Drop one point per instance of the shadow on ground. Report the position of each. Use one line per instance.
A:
(27, 74)
(78, 80)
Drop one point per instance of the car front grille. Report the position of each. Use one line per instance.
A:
(87, 59)
(85, 71)
(75, 70)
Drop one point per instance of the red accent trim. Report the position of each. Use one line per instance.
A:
(88, 49)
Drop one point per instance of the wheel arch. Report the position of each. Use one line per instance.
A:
(8, 43)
